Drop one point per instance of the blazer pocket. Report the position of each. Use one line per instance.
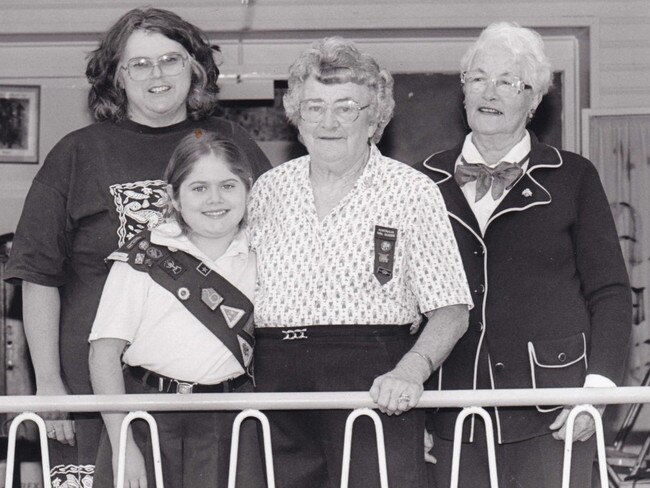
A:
(558, 363)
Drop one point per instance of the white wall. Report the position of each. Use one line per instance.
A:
(44, 42)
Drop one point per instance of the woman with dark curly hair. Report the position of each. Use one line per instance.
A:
(153, 79)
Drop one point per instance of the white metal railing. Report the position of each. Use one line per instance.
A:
(321, 400)
(347, 446)
(489, 440)
(234, 447)
(472, 399)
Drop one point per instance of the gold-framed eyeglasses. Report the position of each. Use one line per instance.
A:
(507, 86)
(170, 64)
(345, 111)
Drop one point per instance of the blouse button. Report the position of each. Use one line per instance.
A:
(499, 367)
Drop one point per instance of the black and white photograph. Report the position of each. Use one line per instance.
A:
(325, 244)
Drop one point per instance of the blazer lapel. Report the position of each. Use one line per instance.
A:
(528, 192)
(443, 175)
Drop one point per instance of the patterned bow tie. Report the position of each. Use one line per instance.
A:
(501, 177)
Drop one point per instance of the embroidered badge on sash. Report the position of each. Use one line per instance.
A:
(211, 298)
(231, 314)
(143, 246)
(139, 258)
(131, 244)
(246, 351)
(154, 252)
(183, 293)
(385, 241)
(172, 267)
(249, 326)
(203, 269)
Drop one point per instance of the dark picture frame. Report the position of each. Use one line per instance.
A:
(19, 123)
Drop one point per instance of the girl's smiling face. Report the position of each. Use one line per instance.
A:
(211, 200)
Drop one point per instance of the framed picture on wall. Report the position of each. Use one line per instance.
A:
(19, 115)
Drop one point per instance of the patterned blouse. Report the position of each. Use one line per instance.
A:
(384, 254)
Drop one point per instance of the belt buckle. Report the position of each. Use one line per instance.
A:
(292, 335)
(184, 388)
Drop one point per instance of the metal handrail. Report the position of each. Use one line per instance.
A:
(234, 446)
(347, 446)
(11, 448)
(568, 444)
(155, 442)
(320, 400)
(489, 440)
(469, 399)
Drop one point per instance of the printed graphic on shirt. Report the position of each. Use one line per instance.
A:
(139, 206)
(72, 476)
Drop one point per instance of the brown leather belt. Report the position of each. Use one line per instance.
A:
(165, 384)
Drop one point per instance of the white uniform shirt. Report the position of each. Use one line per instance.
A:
(320, 272)
(163, 335)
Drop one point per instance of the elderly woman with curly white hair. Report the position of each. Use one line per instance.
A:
(539, 247)
(352, 248)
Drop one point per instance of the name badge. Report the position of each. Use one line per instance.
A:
(385, 241)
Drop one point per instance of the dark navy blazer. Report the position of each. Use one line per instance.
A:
(552, 300)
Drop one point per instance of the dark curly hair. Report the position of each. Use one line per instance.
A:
(108, 101)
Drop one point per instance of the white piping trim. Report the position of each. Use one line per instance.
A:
(496, 409)
(437, 170)
(483, 319)
(532, 359)
(534, 204)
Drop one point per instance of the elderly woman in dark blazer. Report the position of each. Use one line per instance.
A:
(539, 247)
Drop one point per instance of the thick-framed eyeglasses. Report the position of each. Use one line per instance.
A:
(170, 64)
(345, 111)
(507, 86)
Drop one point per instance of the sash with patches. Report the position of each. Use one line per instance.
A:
(214, 301)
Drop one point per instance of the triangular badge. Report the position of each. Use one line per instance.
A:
(246, 350)
(231, 314)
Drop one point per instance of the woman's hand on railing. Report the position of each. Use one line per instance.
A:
(135, 473)
(399, 390)
(59, 426)
(583, 428)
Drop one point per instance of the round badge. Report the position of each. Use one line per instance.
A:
(183, 293)
(385, 246)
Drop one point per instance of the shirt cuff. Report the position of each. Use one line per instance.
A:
(598, 381)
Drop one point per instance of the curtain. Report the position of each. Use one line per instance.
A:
(619, 146)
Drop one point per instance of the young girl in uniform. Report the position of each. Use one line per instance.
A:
(175, 316)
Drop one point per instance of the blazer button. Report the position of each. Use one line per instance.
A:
(499, 367)
(480, 289)
(480, 326)
(561, 357)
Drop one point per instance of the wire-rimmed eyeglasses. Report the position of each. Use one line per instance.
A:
(508, 86)
(345, 111)
(141, 68)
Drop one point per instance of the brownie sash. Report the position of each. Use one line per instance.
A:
(219, 305)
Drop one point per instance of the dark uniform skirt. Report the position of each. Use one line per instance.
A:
(308, 445)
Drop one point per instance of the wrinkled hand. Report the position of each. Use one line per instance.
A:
(135, 473)
(57, 424)
(583, 427)
(397, 391)
(428, 445)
